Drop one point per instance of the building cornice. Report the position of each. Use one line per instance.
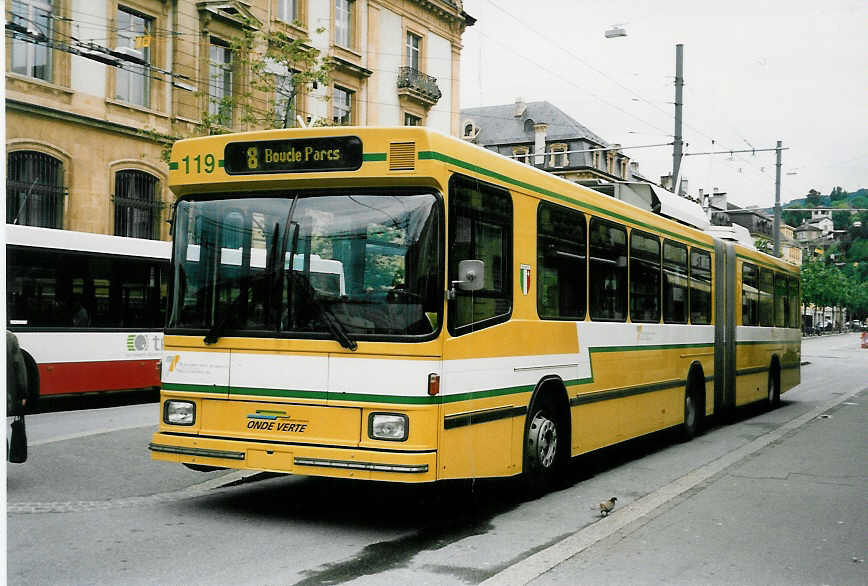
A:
(72, 117)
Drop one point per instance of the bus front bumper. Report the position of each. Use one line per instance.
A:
(311, 460)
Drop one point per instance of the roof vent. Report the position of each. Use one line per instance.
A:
(402, 156)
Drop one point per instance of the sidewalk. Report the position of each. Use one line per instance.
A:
(793, 513)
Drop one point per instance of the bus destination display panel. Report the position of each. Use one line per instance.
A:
(340, 153)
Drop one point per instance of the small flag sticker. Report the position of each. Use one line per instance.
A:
(525, 279)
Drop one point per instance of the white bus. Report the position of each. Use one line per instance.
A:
(88, 309)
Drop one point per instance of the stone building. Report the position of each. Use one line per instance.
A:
(542, 135)
(96, 90)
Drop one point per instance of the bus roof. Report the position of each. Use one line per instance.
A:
(54, 239)
(389, 155)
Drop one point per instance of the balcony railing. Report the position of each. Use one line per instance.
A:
(421, 86)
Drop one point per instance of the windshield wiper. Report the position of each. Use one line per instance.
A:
(331, 321)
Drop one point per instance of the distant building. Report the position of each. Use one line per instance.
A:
(758, 223)
(86, 122)
(544, 136)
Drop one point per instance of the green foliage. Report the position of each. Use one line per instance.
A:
(814, 198)
(279, 69)
(792, 217)
(838, 194)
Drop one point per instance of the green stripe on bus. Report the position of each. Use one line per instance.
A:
(220, 163)
(371, 157)
(434, 155)
(195, 388)
(173, 165)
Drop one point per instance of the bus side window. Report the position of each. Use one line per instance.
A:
(607, 293)
(644, 277)
(766, 297)
(795, 310)
(749, 295)
(480, 220)
(561, 257)
(782, 301)
(674, 282)
(700, 287)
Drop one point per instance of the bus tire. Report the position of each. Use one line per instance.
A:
(545, 446)
(773, 398)
(693, 408)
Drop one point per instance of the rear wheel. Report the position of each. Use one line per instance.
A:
(691, 417)
(544, 447)
(774, 394)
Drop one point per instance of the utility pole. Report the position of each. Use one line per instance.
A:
(679, 143)
(778, 200)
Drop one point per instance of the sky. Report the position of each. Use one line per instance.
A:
(755, 72)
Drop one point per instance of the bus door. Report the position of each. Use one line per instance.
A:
(725, 300)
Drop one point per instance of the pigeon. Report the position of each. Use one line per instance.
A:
(607, 506)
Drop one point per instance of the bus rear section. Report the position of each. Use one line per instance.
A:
(304, 333)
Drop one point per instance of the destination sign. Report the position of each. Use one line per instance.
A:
(334, 153)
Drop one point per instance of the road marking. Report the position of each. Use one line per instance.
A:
(541, 562)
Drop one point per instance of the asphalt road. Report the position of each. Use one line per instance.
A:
(775, 497)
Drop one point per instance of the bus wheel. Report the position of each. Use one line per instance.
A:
(691, 416)
(774, 396)
(543, 447)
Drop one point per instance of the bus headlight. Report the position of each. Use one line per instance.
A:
(179, 412)
(388, 426)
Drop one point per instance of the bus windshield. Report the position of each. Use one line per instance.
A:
(346, 266)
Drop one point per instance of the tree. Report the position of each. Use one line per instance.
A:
(276, 69)
(792, 217)
(842, 219)
(814, 198)
(838, 194)
(280, 69)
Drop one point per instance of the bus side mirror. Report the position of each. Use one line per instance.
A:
(471, 275)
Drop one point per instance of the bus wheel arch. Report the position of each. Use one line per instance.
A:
(547, 435)
(773, 397)
(694, 403)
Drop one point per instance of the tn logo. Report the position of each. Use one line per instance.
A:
(172, 361)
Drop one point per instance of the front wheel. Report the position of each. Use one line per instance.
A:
(543, 449)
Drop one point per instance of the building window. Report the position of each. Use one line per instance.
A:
(344, 22)
(287, 10)
(411, 120)
(137, 204)
(132, 81)
(34, 190)
(285, 101)
(470, 130)
(342, 106)
(414, 44)
(220, 83)
(521, 154)
(559, 155)
(32, 59)
(596, 159)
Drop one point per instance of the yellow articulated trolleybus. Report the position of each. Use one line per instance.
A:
(396, 304)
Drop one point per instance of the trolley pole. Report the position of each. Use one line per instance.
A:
(678, 144)
(778, 200)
